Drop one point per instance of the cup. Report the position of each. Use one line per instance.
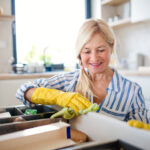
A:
(1, 11)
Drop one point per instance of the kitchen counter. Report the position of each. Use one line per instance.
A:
(10, 76)
(134, 72)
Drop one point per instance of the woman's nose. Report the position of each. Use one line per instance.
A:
(94, 56)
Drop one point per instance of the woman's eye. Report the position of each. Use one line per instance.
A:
(101, 50)
(86, 51)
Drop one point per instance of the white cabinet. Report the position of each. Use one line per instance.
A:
(8, 89)
(123, 12)
(116, 12)
(140, 10)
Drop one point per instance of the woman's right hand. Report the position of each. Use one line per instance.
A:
(47, 96)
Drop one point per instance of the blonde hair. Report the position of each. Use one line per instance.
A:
(87, 30)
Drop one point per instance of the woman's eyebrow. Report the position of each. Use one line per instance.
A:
(101, 46)
(86, 48)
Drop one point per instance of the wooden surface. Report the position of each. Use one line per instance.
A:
(7, 18)
(113, 2)
(45, 137)
(10, 76)
(21, 125)
(134, 73)
(142, 71)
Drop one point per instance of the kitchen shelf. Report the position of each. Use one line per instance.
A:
(113, 2)
(120, 23)
(7, 18)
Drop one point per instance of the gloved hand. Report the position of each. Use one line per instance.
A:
(139, 124)
(64, 99)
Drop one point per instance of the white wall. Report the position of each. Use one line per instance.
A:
(134, 38)
(6, 51)
(96, 8)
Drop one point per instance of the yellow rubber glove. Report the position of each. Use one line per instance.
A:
(139, 124)
(64, 99)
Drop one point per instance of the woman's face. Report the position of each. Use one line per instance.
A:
(95, 55)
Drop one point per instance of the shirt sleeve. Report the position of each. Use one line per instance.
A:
(23, 88)
(138, 108)
(63, 82)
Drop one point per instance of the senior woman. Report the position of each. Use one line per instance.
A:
(95, 82)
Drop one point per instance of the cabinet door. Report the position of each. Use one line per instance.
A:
(140, 10)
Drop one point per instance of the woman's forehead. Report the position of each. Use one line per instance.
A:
(96, 39)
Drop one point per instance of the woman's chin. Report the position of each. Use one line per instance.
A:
(95, 71)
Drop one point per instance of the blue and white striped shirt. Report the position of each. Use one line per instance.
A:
(124, 100)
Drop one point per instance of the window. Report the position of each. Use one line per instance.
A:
(48, 28)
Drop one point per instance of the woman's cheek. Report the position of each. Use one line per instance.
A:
(83, 60)
(107, 56)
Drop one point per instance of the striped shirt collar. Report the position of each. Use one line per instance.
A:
(116, 82)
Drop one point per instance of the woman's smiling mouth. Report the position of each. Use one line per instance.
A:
(95, 65)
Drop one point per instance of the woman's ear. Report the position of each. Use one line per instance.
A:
(82, 67)
(79, 57)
